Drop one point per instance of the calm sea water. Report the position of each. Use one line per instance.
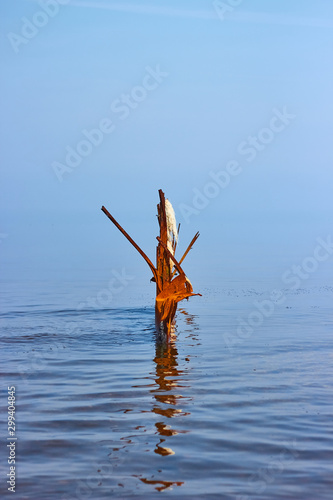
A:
(106, 409)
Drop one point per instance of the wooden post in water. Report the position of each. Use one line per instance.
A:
(172, 285)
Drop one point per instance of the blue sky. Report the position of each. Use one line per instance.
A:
(222, 83)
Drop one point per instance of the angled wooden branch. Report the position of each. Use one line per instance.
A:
(141, 252)
(196, 236)
(176, 263)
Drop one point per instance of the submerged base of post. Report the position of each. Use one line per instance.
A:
(165, 311)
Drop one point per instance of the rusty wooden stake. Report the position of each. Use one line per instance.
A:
(170, 289)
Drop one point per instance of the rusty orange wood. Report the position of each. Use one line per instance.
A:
(170, 289)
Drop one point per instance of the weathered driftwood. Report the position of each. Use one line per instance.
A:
(172, 285)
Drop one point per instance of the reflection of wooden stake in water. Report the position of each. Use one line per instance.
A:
(172, 285)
